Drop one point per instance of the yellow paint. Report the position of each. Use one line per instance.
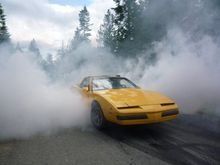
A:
(143, 102)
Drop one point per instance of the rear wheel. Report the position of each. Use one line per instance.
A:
(97, 118)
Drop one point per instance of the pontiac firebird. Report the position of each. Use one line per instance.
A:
(118, 100)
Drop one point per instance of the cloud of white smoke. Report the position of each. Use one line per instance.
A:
(188, 71)
(29, 104)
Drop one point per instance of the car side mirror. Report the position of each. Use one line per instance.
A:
(85, 89)
(89, 88)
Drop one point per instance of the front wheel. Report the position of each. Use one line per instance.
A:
(97, 118)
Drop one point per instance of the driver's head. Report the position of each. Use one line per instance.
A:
(115, 83)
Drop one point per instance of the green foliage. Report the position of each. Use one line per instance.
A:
(126, 13)
(84, 21)
(82, 33)
(33, 48)
(118, 30)
(135, 25)
(61, 52)
(106, 32)
(4, 35)
(18, 48)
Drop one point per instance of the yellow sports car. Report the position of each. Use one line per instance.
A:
(118, 100)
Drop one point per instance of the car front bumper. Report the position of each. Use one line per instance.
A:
(146, 118)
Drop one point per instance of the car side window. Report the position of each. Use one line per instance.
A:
(84, 83)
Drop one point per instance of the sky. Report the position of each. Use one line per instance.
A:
(50, 22)
(71, 2)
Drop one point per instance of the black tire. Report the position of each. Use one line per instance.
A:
(97, 118)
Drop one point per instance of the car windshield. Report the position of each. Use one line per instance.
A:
(112, 83)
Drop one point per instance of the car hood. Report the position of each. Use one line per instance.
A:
(133, 97)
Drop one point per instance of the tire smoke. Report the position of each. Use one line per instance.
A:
(30, 104)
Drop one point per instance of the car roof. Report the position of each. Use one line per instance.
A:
(104, 76)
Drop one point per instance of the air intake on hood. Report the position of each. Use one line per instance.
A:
(130, 107)
(166, 104)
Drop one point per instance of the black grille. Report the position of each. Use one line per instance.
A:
(132, 117)
(170, 113)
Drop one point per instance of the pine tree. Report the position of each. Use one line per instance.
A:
(61, 52)
(125, 17)
(82, 32)
(4, 35)
(33, 48)
(133, 32)
(49, 59)
(123, 31)
(18, 48)
(84, 21)
(119, 22)
(77, 36)
(77, 39)
(106, 32)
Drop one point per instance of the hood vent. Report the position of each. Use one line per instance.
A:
(167, 104)
(130, 107)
